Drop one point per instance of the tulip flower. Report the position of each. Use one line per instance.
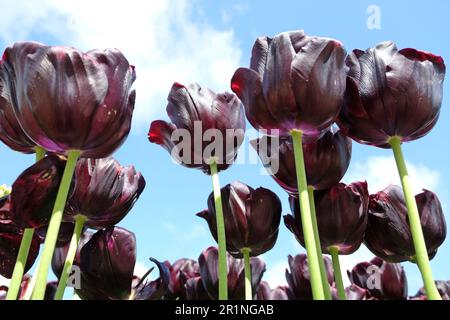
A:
(342, 220)
(211, 128)
(71, 103)
(395, 96)
(180, 272)
(236, 289)
(326, 160)
(295, 86)
(104, 192)
(34, 191)
(383, 280)
(353, 292)
(279, 293)
(388, 234)
(298, 276)
(10, 241)
(252, 217)
(64, 235)
(107, 263)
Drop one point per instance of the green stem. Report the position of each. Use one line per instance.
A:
(24, 249)
(62, 284)
(308, 231)
(248, 274)
(337, 273)
(31, 285)
(323, 271)
(19, 268)
(414, 223)
(221, 238)
(53, 227)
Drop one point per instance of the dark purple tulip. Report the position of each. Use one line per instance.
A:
(34, 192)
(68, 100)
(294, 82)
(11, 133)
(104, 192)
(197, 111)
(60, 253)
(252, 218)
(10, 239)
(208, 262)
(383, 280)
(443, 288)
(388, 233)
(326, 160)
(180, 272)
(341, 217)
(195, 289)
(298, 277)
(353, 292)
(279, 293)
(107, 263)
(391, 93)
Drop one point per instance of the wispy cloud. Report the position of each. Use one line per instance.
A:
(162, 38)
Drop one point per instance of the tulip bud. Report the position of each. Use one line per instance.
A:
(388, 233)
(341, 217)
(252, 217)
(210, 126)
(104, 192)
(279, 293)
(383, 280)
(298, 277)
(391, 93)
(208, 262)
(180, 272)
(294, 82)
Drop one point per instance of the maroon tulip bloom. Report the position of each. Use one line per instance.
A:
(10, 240)
(180, 272)
(443, 288)
(353, 292)
(34, 192)
(326, 160)
(298, 277)
(279, 293)
(252, 218)
(388, 233)
(11, 133)
(341, 217)
(383, 280)
(391, 93)
(107, 264)
(196, 113)
(294, 82)
(104, 192)
(208, 262)
(68, 100)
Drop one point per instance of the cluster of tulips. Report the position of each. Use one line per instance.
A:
(306, 96)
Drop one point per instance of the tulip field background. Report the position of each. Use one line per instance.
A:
(205, 41)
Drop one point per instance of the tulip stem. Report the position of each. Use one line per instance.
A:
(53, 227)
(24, 249)
(248, 274)
(21, 262)
(221, 238)
(67, 269)
(337, 273)
(323, 271)
(415, 225)
(307, 225)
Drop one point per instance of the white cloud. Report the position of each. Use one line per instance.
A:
(381, 171)
(4, 281)
(196, 232)
(163, 39)
(275, 274)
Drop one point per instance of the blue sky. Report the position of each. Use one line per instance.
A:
(205, 41)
